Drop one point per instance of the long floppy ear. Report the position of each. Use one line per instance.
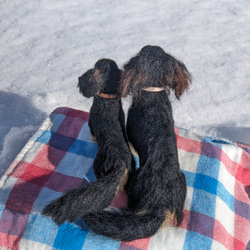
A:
(90, 83)
(181, 78)
(126, 79)
(131, 77)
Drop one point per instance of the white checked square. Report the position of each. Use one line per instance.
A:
(234, 153)
(190, 135)
(226, 178)
(170, 237)
(224, 215)
(188, 161)
(217, 246)
(30, 244)
(35, 147)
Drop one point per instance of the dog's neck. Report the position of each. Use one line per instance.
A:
(107, 96)
(154, 89)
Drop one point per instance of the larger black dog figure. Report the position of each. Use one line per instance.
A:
(157, 190)
(113, 161)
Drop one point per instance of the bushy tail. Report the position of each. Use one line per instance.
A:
(131, 225)
(126, 226)
(92, 198)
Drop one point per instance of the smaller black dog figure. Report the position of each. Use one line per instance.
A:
(113, 161)
(157, 190)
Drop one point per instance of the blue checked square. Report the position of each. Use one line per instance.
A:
(61, 142)
(40, 229)
(203, 202)
(208, 166)
(42, 136)
(69, 237)
(195, 241)
(87, 149)
(211, 150)
(224, 195)
(206, 183)
(99, 242)
(57, 119)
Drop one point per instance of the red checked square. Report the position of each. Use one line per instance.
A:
(243, 170)
(79, 114)
(188, 145)
(48, 157)
(20, 169)
(136, 244)
(22, 196)
(9, 241)
(70, 127)
(36, 175)
(62, 183)
(73, 113)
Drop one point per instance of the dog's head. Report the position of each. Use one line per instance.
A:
(152, 67)
(103, 78)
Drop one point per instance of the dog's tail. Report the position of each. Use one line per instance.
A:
(126, 226)
(91, 198)
(142, 221)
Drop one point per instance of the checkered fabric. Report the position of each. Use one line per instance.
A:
(60, 157)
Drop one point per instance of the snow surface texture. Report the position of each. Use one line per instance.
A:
(46, 45)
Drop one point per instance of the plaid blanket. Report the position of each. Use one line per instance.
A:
(60, 157)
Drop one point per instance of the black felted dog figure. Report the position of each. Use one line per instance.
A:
(113, 161)
(157, 190)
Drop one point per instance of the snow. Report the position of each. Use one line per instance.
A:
(46, 45)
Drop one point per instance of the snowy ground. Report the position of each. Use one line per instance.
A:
(46, 45)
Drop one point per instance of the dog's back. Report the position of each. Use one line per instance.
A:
(107, 119)
(150, 120)
(159, 182)
(113, 161)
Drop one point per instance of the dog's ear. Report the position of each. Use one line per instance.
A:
(125, 85)
(180, 79)
(91, 82)
(131, 77)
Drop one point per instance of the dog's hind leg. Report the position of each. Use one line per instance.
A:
(169, 219)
